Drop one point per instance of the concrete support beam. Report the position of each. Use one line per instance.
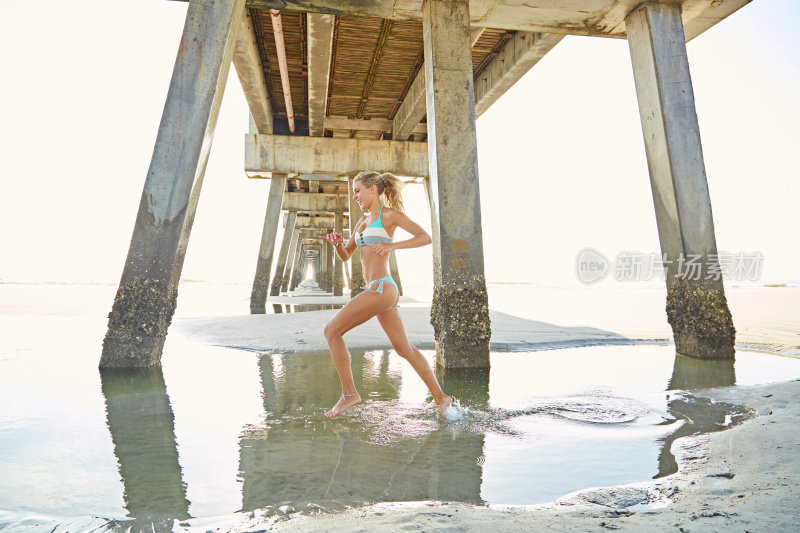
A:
(287, 273)
(459, 311)
(247, 60)
(519, 55)
(407, 119)
(309, 155)
(314, 203)
(411, 111)
(322, 222)
(283, 255)
(372, 124)
(338, 279)
(266, 251)
(697, 308)
(148, 289)
(320, 44)
(345, 123)
(356, 273)
(577, 17)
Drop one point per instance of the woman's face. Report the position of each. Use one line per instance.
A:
(363, 194)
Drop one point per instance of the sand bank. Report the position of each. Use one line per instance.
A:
(302, 332)
(765, 319)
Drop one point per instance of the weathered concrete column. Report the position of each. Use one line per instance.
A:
(697, 308)
(356, 274)
(330, 263)
(459, 312)
(148, 289)
(338, 265)
(258, 296)
(324, 273)
(395, 272)
(296, 267)
(287, 273)
(283, 255)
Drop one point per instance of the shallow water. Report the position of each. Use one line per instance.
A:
(218, 431)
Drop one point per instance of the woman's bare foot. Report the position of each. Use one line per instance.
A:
(442, 405)
(345, 402)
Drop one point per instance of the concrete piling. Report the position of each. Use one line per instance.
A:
(697, 308)
(338, 279)
(356, 274)
(459, 312)
(330, 262)
(287, 273)
(296, 266)
(266, 252)
(148, 289)
(283, 255)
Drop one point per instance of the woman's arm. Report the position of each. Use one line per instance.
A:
(343, 251)
(394, 218)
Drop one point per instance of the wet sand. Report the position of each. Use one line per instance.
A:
(741, 479)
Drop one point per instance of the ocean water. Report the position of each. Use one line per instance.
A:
(217, 434)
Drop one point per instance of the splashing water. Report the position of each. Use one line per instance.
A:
(454, 412)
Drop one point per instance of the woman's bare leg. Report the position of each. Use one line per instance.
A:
(393, 326)
(357, 311)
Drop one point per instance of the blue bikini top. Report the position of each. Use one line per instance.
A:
(373, 233)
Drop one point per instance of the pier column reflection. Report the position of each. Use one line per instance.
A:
(384, 450)
(141, 422)
(701, 415)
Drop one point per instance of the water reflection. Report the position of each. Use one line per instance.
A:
(141, 422)
(690, 373)
(469, 385)
(384, 450)
(701, 415)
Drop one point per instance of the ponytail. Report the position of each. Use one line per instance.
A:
(389, 187)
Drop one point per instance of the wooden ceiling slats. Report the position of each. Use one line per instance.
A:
(358, 86)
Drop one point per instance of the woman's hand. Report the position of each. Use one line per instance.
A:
(333, 238)
(383, 248)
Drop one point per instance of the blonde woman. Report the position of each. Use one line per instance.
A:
(380, 197)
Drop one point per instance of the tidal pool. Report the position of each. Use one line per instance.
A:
(217, 432)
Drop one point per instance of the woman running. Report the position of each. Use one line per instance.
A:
(373, 236)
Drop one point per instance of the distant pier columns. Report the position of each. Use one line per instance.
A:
(283, 254)
(338, 265)
(297, 265)
(459, 313)
(324, 273)
(330, 263)
(697, 308)
(266, 252)
(287, 272)
(356, 274)
(148, 289)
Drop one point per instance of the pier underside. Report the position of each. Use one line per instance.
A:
(334, 88)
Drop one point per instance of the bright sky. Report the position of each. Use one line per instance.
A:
(562, 161)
